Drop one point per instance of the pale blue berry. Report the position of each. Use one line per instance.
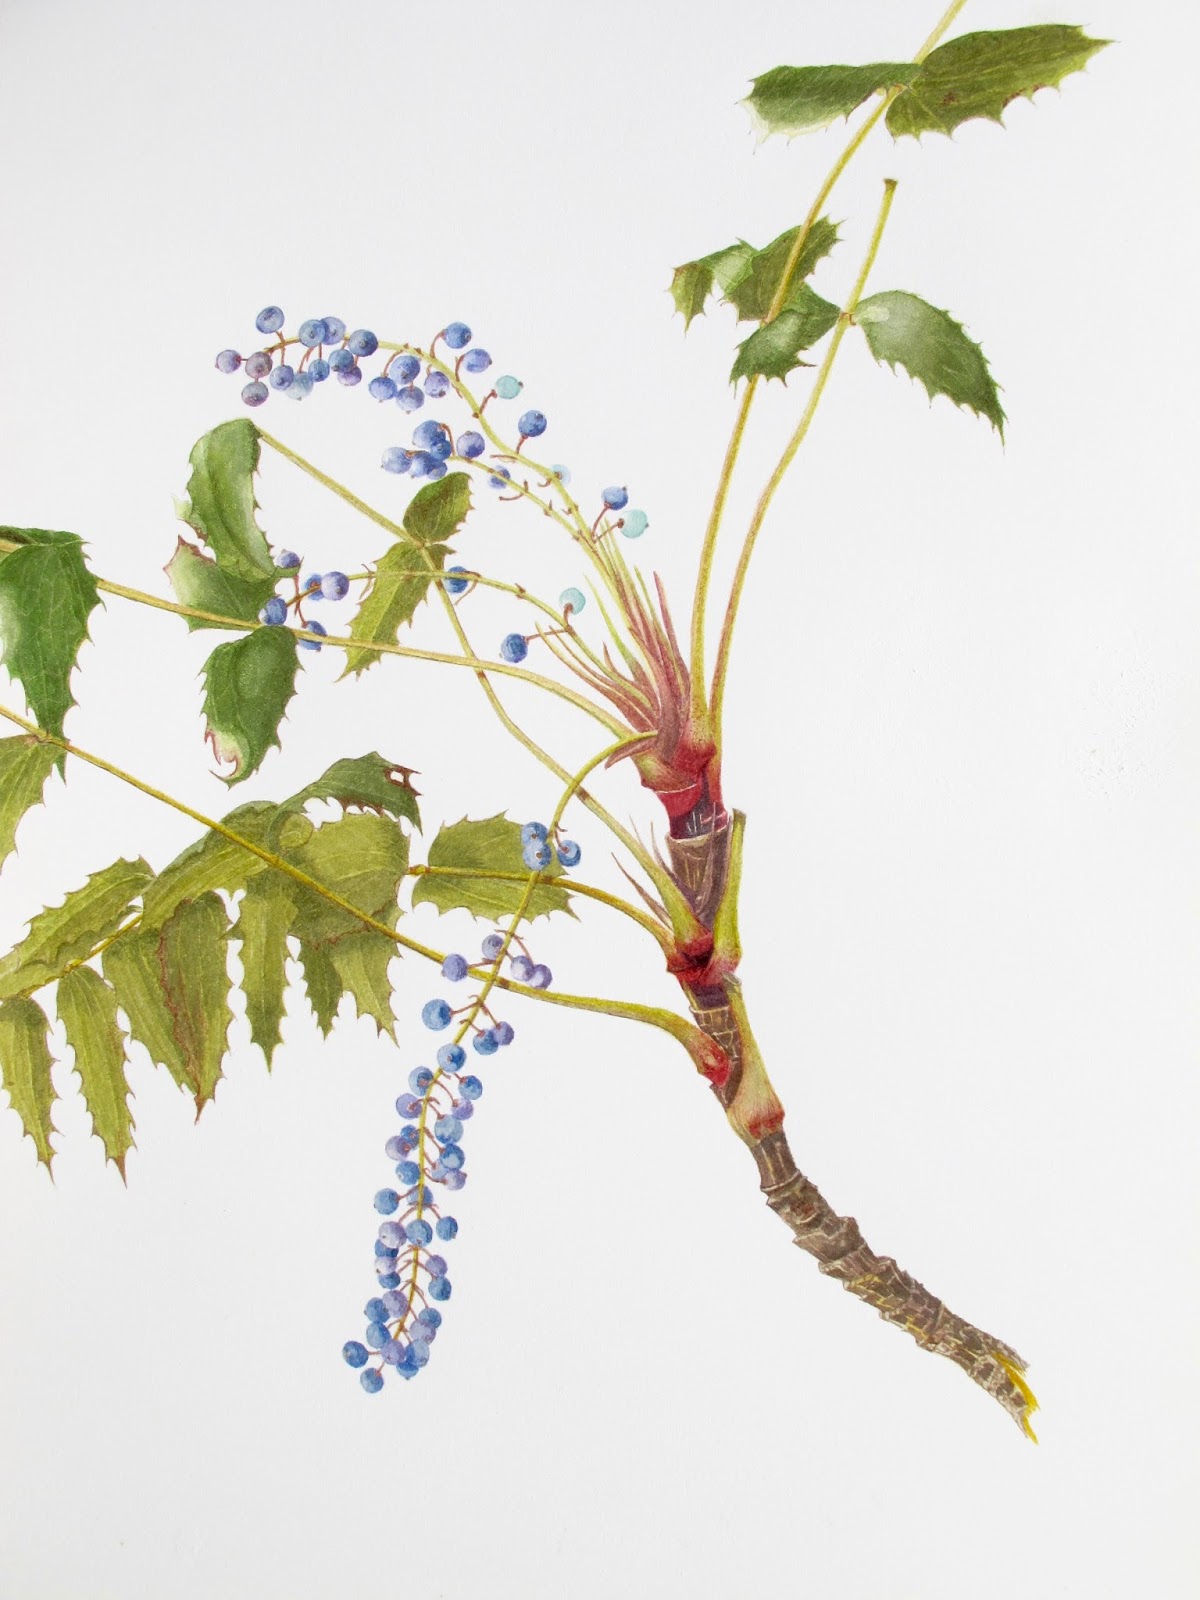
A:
(541, 977)
(634, 524)
(572, 600)
(300, 387)
(448, 1127)
(508, 387)
(395, 459)
(410, 398)
(536, 855)
(371, 1380)
(492, 946)
(563, 474)
(419, 1080)
(282, 377)
(521, 967)
(450, 1057)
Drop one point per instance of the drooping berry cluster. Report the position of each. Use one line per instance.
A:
(316, 586)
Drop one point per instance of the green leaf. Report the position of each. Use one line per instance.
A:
(25, 764)
(362, 858)
(771, 350)
(70, 931)
(214, 862)
(173, 985)
(25, 1064)
(46, 597)
(198, 581)
(490, 845)
(978, 74)
(221, 504)
(368, 781)
(248, 683)
(322, 984)
(754, 290)
(437, 511)
(693, 282)
(361, 961)
(87, 1008)
(265, 918)
(793, 100)
(402, 578)
(932, 347)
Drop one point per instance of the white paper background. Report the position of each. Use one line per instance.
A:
(962, 721)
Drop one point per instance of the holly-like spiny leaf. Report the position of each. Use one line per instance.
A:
(792, 100)
(215, 862)
(361, 961)
(437, 511)
(363, 858)
(87, 1008)
(401, 581)
(71, 931)
(474, 849)
(25, 764)
(977, 75)
(771, 351)
(753, 291)
(248, 683)
(25, 1063)
(46, 597)
(265, 917)
(202, 583)
(692, 283)
(903, 329)
(368, 781)
(221, 505)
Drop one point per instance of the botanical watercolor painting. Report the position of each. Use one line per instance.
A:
(651, 732)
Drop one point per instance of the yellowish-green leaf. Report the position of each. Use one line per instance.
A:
(321, 983)
(401, 582)
(475, 849)
(221, 505)
(437, 511)
(978, 74)
(133, 966)
(361, 961)
(214, 862)
(265, 917)
(70, 931)
(25, 1064)
(363, 857)
(25, 764)
(695, 280)
(87, 1008)
(192, 955)
(906, 331)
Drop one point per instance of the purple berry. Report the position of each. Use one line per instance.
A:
(255, 393)
(258, 365)
(269, 320)
(350, 377)
(228, 361)
(492, 946)
(541, 977)
(437, 385)
(504, 1033)
(455, 968)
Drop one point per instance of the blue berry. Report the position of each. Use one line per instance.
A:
(500, 479)
(430, 1316)
(455, 1180)
(457, 335)
(420, 1195)
(476, 361)
(419, 1353)
(382, 388)
(386, 1201)
(409, 1106)
(335, 329)
(541, 977)
(531, 424)
(354, 1354)
(455, 586)
(492, 946)
(534, 831)
(350, 377)
(615, 497)
(228, 361)
(428, 433)
(335, 586)
(472, 1088)
(435, 1014)
(422, 464)
(396, 1148)
(447, 1228)
(452, 1157)
(508, 387)
(464, 1110)
(439, 1289)
(437, 1266)
(450, 1057)
(269, 320)
(255, 393)
(391, 1234)
(274, 612)
(384, 1252)
(362, 342)
(313, 332)
(300, 387)
(422, 1333)
(394, 1352)
(406, 368)
(258, 365)
(311, 644)
(395, 459)
(408, 1172)
(634, 524)
(521, 967)
(486, 1043)
(455, 968)
(282, 377)
(341, 360)
(376, 1334)
(437, 385)
(436, 471)
(470, 444)
(572, 600)
(563, 474)
(375, 1311)
(504, 1032)
(419, 1232)
(448, 1128)
(287, 560)
(310, 587)
(569, 853)
(442, 447)
(419, 1080)
(536, 855)
(389, 1280)
(371, 1381)
(394, 1303)
(513, 648)
(318, 370)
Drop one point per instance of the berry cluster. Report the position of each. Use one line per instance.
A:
(316, 586)
(536, 850)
